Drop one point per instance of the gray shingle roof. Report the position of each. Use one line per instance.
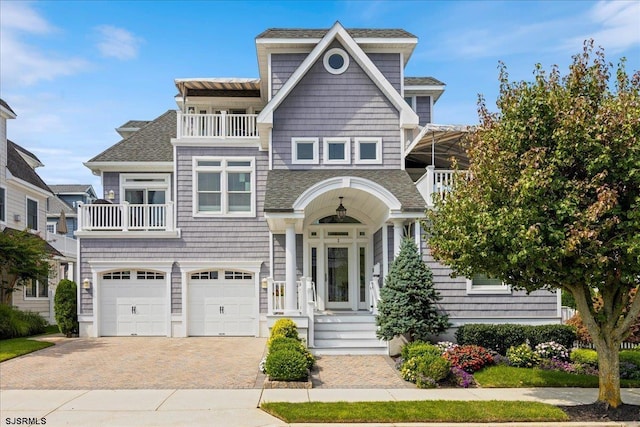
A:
(421, 81)
(306, 33)
(285, 186)
(28, 153)
(20, 168)
(5, 105)
(137, 124)
(70, 188)
(55, 205)
(152, 143)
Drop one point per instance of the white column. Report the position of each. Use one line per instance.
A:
(398, 225)
(290, 291)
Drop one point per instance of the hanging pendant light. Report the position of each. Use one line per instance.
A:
(341, 212)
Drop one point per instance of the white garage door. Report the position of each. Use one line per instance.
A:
(133, 303)
(222, 303)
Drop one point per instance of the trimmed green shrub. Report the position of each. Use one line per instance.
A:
(501, 337)
(584, 356)
(278, 343)
(286, 365)
(419, 348)
(522, 356)
(469, 358)
(15, 323)
(284, 328)
(66, 307)
(425, 370)
(630, 356)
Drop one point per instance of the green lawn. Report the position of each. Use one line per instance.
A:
(18, 346)
(414, 411)
(512, 377)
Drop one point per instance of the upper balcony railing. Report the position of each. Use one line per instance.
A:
(223, 125)
(437, 183)
(126, 217)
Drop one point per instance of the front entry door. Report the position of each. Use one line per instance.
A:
(338, 274)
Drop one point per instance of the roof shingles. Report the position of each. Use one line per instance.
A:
(303, 33)
(21, 169)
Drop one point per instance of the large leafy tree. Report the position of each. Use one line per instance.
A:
(553, 197)
(408, 300)
(23, 256)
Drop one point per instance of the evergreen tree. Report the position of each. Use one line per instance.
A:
(408, 299)
(66, 307)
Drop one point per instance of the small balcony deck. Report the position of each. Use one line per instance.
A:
(107, 219)
(436, 184)
(219, 126)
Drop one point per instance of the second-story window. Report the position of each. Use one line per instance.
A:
(304, 151)
(368, 150)
(224, 186)
(32, 214)
(337, 151)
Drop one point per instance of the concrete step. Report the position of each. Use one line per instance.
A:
(349, 342)
(341, 351)
(344, 318)
(344, 334)
(324, 326)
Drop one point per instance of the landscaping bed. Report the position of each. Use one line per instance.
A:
(600, 412)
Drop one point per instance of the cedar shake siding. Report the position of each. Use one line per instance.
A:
(389, 65)
(282, 66)
(423, 109)
(327, 105)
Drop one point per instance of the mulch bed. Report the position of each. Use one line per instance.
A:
(601, 412)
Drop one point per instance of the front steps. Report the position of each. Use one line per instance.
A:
(346, 333)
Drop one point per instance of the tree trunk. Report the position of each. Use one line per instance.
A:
(609, 372)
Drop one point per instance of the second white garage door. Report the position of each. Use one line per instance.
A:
(222, 303)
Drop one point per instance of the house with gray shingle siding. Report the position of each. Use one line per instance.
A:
(285, 195)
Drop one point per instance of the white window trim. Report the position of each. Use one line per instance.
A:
(165, 184)
(55, 227)
(347, 150)
(38, 286)
(377, 160)
(487, 290)
(332, 52)
(294, 151)
(26, 213)
(223, 169)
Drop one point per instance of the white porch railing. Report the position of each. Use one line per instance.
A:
(374, 294)
(437, 183)
(221, 125)
(126, 217)
(63, 244)
(306, 296)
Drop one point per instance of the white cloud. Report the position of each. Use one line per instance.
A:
(23, 63)
(117, 42)
(618, 25)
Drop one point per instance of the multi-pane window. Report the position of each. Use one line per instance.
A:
(3, 205)
(32, 214)
(224, 186)
(237, 275)
(337, 150)
(205, 275)
(35, 288)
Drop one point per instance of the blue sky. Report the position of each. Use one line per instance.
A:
(75, 70)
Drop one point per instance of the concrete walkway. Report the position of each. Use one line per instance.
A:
(216, 407)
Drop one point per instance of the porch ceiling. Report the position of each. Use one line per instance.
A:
(438, 144)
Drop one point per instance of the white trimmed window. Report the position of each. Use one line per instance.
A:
(336, 151)
(224, 186)
(304, 151)
(145, 189)
(35, 289)
(336, 61)
(51, 227)
(482, 284)
(32, 214)
(368, 150)
(3, 205)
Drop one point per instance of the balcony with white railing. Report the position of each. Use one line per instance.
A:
(218, 126)
(109, 219)
(63, 244)
(436, 184)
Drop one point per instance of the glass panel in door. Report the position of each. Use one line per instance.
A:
(338, 277)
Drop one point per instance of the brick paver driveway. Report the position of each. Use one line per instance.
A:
(138, 363)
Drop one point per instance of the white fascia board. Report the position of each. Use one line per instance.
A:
(432, 88)
(5, 113)
(408, 118)
(97, 167)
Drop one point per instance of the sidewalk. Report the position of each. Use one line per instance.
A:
(238, 408)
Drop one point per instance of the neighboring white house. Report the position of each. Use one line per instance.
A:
(283, 195)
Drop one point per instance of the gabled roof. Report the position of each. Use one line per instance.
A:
(152, 143)
(72, 189)
(19, 167)
(408, 118)
(4, 108)
(305, 33)
(55, 205)
(422, 81)
(134, 124)
(30, 158)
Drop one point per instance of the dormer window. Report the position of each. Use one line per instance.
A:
(336, 61)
